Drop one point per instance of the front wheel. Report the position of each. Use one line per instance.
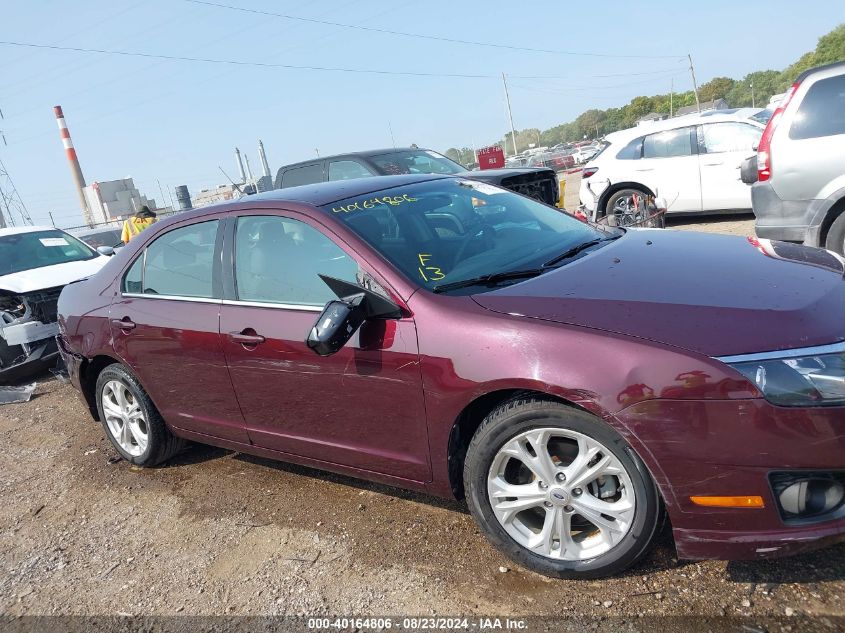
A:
(627, 207)
(559, 491)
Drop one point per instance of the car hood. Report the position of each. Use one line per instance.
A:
(51, 276)
(713, 294)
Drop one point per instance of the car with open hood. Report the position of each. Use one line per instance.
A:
(36, 262)
(441, 334)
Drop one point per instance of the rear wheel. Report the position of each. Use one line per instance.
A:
(835, 240)
(132, 423)
(559, 491)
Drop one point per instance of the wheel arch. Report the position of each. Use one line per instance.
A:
(471, 417)
(88, 373)
(605, 195)
(836, 209)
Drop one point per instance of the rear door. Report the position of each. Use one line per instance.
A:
(165, 326)
(669, 166)
(722, 148)
(361, 407)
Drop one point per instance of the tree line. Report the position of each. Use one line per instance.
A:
(738, 93)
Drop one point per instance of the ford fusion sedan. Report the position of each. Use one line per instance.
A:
(441, 334)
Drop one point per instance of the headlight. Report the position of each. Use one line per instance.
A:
(796, 381)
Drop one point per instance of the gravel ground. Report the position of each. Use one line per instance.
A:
(215, 532)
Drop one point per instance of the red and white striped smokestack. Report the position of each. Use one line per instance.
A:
(75, 169)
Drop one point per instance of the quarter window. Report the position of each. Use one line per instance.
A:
(306, 175)
(347, 170)
(730, 137)
(279, 260)
(180, 263)
(668, 144)
(632, 150)
(822, 113)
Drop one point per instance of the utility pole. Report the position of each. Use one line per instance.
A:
(10, 200)
(510, 114)
(694, 85)
(671, 95)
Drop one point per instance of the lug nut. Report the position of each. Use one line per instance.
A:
(568, 508)
(560, 477)
(548, 504)
(543, 485)
(576, 492)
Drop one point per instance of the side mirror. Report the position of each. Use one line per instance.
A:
(336, 324)
(105, 250)
(748, 170)
(342, 317)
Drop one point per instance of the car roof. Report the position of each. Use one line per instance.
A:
(93, 230)
(711, 116)
(12, 230)
(370, 153)
(818, 69)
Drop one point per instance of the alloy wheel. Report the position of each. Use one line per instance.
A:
(561, 494)
(125, 418)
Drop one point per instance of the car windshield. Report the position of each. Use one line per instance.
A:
(416, 162)
(36, 249)
(451, 230)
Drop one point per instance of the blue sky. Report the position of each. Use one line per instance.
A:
(174, 122)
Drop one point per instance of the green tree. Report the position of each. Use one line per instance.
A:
(716, 88)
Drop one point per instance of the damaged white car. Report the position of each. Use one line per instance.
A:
(36, 262)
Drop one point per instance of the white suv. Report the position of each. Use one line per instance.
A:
(692, 162)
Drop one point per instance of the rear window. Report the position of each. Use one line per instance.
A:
(416, 162)
(822, 112)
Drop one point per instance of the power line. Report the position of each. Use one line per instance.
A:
(209, 60)
(437, 38)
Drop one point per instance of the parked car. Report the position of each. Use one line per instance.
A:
(800, 190)
(35, 263)
(558, 161)
(100, 236)
(539, 183)
(584, 154)
(446, 335)
(692, 162)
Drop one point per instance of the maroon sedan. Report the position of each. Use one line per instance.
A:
(448, 336)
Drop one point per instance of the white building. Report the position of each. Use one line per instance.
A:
(115, 200)
(220, 193)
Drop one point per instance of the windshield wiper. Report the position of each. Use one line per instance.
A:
(492, 278)
(572, 252)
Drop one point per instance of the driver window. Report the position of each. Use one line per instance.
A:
(278, 260)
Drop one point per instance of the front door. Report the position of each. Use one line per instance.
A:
(723, 147)
(362, 407)
(165, 326)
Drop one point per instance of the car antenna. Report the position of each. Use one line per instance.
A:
(240, 191)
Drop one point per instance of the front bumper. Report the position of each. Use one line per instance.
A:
(729, 448)
(42, 354)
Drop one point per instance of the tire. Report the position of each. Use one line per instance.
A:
(584, 550)
(616, 197)
(835, 240)
(145, 440)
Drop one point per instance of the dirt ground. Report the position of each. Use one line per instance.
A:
(215, 532)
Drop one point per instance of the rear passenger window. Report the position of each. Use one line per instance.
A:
(279, 260)
(632, 151)
(730, 137)
(305, 175)
(668, 144)
(347, 169)
(822, 112)
(179, 263)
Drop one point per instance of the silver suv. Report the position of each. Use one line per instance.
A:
(799, 195)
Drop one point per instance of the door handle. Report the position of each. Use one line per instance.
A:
(644, 169)
(713, 164)
(124, 324)
(245, 338)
